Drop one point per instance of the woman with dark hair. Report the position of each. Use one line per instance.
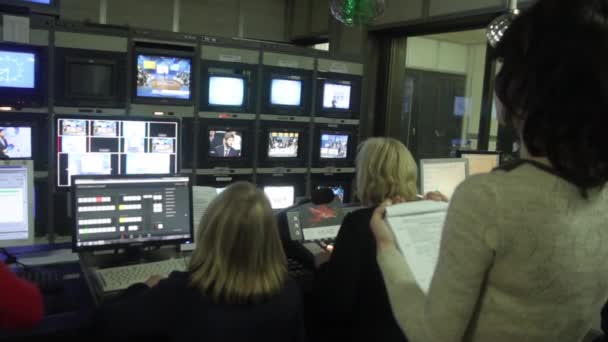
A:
(524, 249)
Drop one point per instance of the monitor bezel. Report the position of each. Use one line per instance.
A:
(205, 161)
(249, 91)
(335, 162)
(8, 92)
(31, 229)
(112, 118)
(304, 76)
(51, 9)
(140, 51)
(176, 242)
(353, 81)
(424, 162)
(33, 131)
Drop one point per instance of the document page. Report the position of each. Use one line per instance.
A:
(417, 227)
(201, 198)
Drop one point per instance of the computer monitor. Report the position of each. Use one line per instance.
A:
(131, 211)
(481, 162)
(286, 92)
(164, 77)
(334, 145)
(339, 96)
(443, 175)
(105, 146)
(280, 196)
(16, 203)
(226, 91)
(18, 140)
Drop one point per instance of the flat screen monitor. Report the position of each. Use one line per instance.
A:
(285, 92)
(280, 197)
(17, 198)
(226, 91)
(338, 190)
(283, 144)
(443, 175)
(16, 142)
(96, 146)
(334, 146)
(225, 144)
(90, 80)
(17, 69)
(163, 77)
(336, 96)
(480, 163)
(127, 211)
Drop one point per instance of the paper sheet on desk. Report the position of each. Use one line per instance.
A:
(417, 227)
(201, 197)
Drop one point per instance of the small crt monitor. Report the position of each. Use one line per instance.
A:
(283, 144)
(338, 190)
(17, 69)
(15, 142)
(443, 175)
(334, 145)
(163, 77)
(127, 211)
(226, 91)
(225, 143)
(336, 96)
(286, 92)
(481, 162)
(280, 196)
(17, 198)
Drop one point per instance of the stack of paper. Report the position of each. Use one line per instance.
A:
(417, 227)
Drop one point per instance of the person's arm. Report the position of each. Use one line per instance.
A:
(144, 310)
(466, 254)
(21, 304)
(336, 281)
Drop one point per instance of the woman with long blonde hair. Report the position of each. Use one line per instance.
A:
(350, 302)
(235, 289)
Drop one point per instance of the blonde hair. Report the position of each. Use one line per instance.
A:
(385, 169)
(239, 257)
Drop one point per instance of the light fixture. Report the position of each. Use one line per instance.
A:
(6, 109)
(159, 113)
(499, 26)
(356, 12)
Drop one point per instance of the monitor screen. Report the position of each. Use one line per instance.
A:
(280, 197)
(90, 80)
(336, 96)
(45, 2)
(17, 209)
(16, 142)
(17, 69)
(163, 77)
(226, 91)
(334, 146)
(338, 190)
(286, 92)
(225, 144)
(283, 144)
(481, 163)
(110, 211)
(442, 175)
(115, 147)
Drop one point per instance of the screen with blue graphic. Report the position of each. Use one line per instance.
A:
(163, 77)
(16, 142)
(45, 2)
(334, 146)
(17, 69)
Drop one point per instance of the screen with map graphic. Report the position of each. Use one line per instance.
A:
(163, 77)
(17, 69)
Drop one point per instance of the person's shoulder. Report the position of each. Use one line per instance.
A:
(359, 214)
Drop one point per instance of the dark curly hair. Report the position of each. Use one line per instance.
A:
(554, 79)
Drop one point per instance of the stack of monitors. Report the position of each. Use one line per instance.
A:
(163, 77)
(115, 147)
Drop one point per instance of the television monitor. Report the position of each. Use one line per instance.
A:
(334, 146)
(17, 142)
(17, 198)
(107, 146)
(44, 2)
(443, 175)
(17, 69)
(338, 190)
(131, 211)
(336, 96)
(283, 144)
(481, 162)
(286, 92)
(280, 196)
(163, 77)
(226, 91)
(225, 143)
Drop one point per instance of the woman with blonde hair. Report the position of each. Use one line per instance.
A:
(350, 302)
(235, 289)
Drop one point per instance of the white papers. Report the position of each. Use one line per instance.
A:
(16, 29)
(417, 227)
(201, 197)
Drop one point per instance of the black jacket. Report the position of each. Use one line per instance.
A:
(350, 300)
(177, 312)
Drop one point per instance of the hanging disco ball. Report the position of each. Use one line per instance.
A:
(497, 28)
(356, 12)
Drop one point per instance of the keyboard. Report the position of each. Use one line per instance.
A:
(48, 281)
(120, 278)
